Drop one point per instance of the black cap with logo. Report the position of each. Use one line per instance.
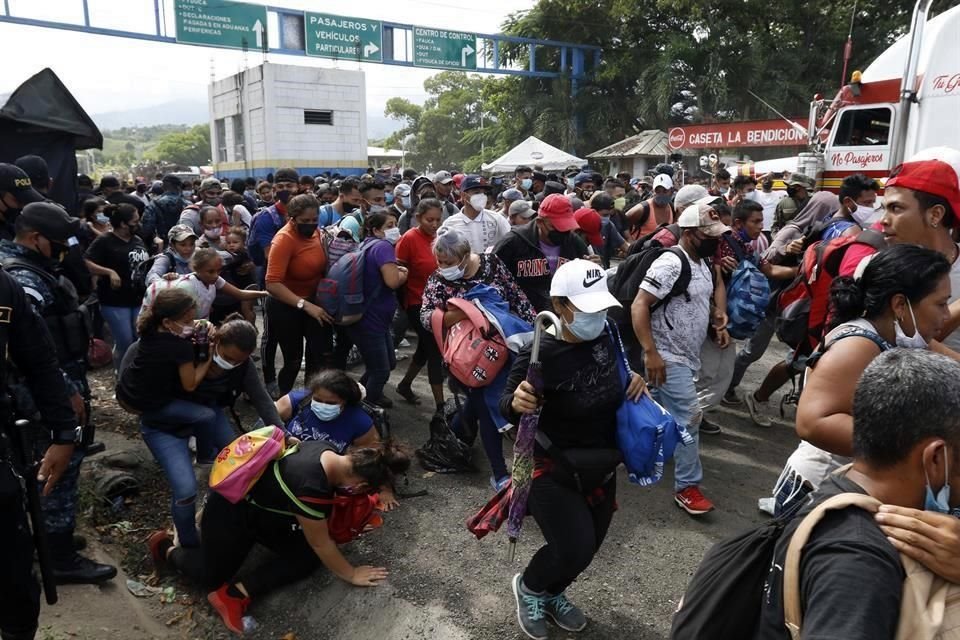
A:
(15, 181)
(51, 220)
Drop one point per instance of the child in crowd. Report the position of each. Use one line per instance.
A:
(238, 271)
(174, 261)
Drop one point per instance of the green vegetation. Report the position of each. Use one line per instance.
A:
(161, 145)
(663, 62)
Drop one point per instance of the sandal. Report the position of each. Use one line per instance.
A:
(407, 394)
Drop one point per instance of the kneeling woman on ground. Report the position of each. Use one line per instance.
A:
(329, 410)
(581, 394)
(278, 517)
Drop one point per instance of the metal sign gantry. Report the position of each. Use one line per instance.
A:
(239, 25)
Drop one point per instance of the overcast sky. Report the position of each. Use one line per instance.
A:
(110, 74)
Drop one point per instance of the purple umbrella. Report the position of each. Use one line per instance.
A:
(526, 434)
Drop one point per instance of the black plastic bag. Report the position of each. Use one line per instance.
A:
(444, 452)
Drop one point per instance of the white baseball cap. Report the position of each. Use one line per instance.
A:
(663, 180)
(584, 283)
(701, 216)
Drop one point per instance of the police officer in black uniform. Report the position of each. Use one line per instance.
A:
(26, 342)
(43, 233)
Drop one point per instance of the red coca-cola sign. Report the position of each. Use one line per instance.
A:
(730, 135)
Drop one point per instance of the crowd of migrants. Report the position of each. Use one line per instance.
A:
(194, 283)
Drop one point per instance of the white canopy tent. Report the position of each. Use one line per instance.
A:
(533, 151)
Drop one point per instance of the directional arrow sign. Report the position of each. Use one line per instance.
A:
(444, 49)
(330, 36)
(221, 23)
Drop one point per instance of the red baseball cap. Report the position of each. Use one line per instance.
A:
(589, 222)
(559, 211)
(930, 176)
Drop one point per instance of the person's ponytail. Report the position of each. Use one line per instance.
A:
(378, 464)
(847, 301)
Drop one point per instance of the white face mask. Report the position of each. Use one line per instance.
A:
(915, 341)
(392, 235)
(751, 195)
(453, 273)
(220, 362)
(212, 234)
(478, 201)
(864, 215)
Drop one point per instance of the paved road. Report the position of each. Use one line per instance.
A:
(444, 584)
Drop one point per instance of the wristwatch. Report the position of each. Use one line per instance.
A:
(300, 303)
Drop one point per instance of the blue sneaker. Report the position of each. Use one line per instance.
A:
(498, 485)
(565, 614)
(530, 610)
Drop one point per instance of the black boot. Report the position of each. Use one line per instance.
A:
(69, 567)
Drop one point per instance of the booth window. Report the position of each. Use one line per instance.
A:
(220, 130)
(238, 141)
(317, 117)
(864, 127)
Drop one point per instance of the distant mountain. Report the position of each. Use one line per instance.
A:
(175, 112)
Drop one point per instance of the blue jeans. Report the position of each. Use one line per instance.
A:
(171, 451)
(123, 326)
(678, 395)
(476, 411)
(379, 359)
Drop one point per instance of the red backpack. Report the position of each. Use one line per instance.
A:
(803, 306)
(473, 351)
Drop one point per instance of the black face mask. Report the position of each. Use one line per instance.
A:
(133, 228)
(557, 238)
(661, 201)
(283, 197)
(708, 247)
(349, 208)
(307, 229)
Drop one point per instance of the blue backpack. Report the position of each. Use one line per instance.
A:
(341, 293)
(647, 435)
(748, 295)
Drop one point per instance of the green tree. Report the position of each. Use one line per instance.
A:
(188, 148)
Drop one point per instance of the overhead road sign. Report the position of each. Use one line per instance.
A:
(330, 36)
(221, 23)
(444, 49)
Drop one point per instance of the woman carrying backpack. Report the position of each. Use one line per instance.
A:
(899, 298)
(381, 276)
(330, 409)
(174, 261)
(459, 271)
(296, 264)
(572, 503)
(286, 513)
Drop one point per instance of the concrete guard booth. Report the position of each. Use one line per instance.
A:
(273, 115)
(41, 117)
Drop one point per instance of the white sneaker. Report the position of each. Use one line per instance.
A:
(757, 410)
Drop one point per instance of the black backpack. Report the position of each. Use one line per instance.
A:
(625, 283)
(139, 277)
(723, 600)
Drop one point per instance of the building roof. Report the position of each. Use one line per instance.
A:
(652, 142)
(380, 152)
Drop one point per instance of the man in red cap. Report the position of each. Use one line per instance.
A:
(921, 202)
(533, 251)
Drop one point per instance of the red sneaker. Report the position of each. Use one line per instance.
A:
(230, 608)
(693, 501)
(159, 543)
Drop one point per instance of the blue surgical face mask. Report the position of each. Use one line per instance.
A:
(587, 326)
(388, 197)
(406, 201)
(940, 503)
(324, 411)
(179, 259)
(102, 219)
(526, 183)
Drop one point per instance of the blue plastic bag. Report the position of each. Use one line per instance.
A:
(647, 434)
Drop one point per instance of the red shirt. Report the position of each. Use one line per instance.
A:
(415, 251)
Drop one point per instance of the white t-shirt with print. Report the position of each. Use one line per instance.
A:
(203, 293)
(690, 320)
(482, 232)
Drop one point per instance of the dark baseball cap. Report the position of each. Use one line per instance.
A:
(286, 175)
(15, 180)
(51, 220)
(36, 168)
(172, 180)
(474, 181)
(111, 182)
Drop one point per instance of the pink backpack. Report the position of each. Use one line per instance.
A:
(473, 351)
(243, 461)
